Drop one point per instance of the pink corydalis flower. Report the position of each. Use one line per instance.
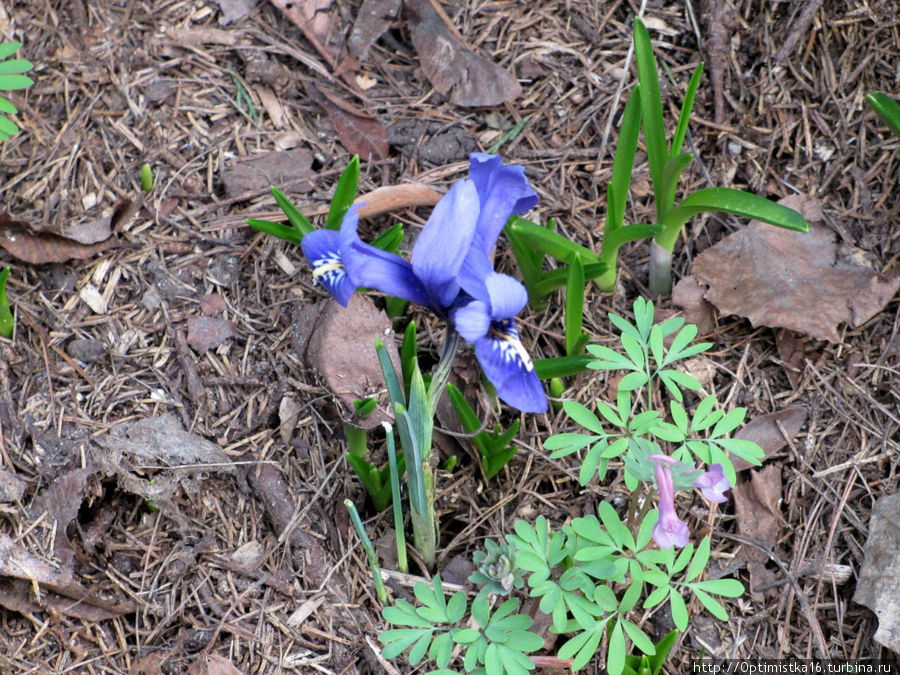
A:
(713, 484)
(669, 530)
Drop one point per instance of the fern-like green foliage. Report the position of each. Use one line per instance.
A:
(496, 646)
(633, 434)
(11, 79)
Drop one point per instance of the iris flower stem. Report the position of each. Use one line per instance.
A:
(442, 373)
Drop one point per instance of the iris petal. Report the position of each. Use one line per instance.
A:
(322, 250)
(508, 366)
(320, 244)
(503, 191)
(507, 296)
(472, 321)
(442, 246)
(372, 267)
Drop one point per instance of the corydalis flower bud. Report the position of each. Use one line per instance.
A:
(669, 530)
(713, 484)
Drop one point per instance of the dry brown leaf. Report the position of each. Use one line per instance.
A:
(372, 21)
(201, 36)
(339, 342)
(459, 74)
(162, 442)
(212, 304)
(258, 172)
(31, 246)
(57, 581)
(806, 282)
(765, 432)
(61, 502)
(360, 133)
(688, 295)
(208, 332)
(151, 664)
(759, 519)
(388, 198)
(879, 579)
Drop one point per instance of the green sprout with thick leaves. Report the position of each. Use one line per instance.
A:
(668, 162)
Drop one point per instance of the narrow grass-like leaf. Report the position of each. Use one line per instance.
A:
(390, 239)
(297, 219)
(623, 163)
(561, 366)
(7, 321)
(651, 107)
(887, 109)
(574, 308)
(395, 392)
(736, 202)
(344, 194)
(687, 106)
(286, 232)
(551, 243)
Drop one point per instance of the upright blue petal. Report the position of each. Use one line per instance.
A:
(322, 250)
(509, 368)
(442, 246)
(503, 192)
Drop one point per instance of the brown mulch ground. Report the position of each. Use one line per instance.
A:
(255, 564)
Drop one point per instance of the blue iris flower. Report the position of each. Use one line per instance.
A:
(342, 262)
(451, 272)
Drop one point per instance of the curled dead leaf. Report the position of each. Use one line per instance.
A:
(806, 282)
(358, 131)
(37, 247)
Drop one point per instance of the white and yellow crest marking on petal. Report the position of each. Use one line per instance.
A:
(506, 338)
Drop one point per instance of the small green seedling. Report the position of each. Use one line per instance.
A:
(146, 178)
(495, 448)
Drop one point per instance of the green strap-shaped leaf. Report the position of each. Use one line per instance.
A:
(297, 219)
(651, 107)
(575, 337)
(736, 202)
(344, 194)
(686, 106)
(623, 163)
(887, 109)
